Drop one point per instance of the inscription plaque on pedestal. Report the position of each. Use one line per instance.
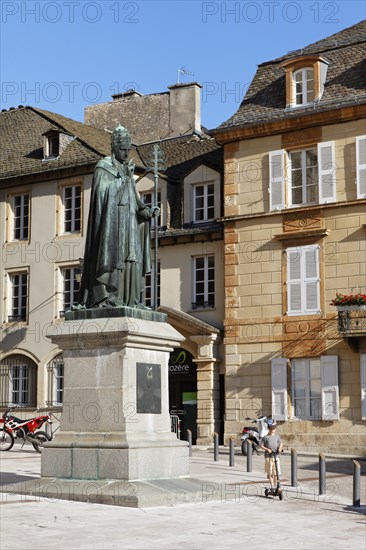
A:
(148, 388)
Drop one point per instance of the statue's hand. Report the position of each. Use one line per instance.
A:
(155, 212)
(131, 166)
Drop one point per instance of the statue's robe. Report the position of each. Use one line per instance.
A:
(117, 250)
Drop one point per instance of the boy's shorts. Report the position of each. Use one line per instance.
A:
(269, 466)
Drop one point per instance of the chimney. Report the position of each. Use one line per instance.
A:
(185, 108)
(126, 95)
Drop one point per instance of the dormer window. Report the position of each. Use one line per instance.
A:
(305, 80)
(54, 143)
(53, 146)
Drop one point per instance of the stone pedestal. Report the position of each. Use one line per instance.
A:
(115, 423)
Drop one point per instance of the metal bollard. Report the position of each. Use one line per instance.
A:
(216, 447)
(249, 456)
(189, 438)
(231, 454)
(356, 483)
(293, 468)
(322, 480)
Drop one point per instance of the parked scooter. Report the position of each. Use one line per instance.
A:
(254, 435)
(27, 430)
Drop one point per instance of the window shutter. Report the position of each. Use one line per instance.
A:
(327, 172)
(294, 280)
(330, 391)
(312, 297)
(361, 166)
(276, 180)
(279, 388)
(363, 385)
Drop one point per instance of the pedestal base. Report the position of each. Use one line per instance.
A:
(115, 423)
(84, 457)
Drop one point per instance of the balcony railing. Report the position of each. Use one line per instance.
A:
(352, 320)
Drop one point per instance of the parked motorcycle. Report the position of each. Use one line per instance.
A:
(27, 430)
(254, 435)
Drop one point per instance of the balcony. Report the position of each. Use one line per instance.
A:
(352, 320)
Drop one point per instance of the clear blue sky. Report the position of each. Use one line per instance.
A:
(62, 55)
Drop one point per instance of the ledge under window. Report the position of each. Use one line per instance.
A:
(301, 234)
(202, 305)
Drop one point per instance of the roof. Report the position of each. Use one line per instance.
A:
(345, 83)
(183, 154)
(21, 142)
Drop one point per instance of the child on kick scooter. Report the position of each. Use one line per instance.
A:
(271, 444)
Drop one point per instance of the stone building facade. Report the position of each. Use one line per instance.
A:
(294, 237)
(45, 182)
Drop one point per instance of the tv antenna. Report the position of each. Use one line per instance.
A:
(182, 70)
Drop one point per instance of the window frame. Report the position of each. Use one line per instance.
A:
(308, 379)
(27, 376)
(304, 167)
(206, 303)
(150, 287)
(360, 167)
(73, 209)
(205, 208)
(63, 304)
(302, 280)
(15, 311)
(55, 389)
(304, 82)
(151, 203)
(10, 216)
(280, 176)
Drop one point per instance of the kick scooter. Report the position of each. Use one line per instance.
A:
(275, 491)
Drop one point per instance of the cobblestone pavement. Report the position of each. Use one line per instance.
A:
(241, 518)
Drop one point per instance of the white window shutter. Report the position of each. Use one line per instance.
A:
(312, 286)
(330, 390)
(276, 180)
(327, 172)
(294, 280)
(361, 166)
(279, 388)
(363, 385)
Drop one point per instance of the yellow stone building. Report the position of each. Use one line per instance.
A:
(294, 237)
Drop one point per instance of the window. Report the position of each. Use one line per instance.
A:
(51, 145)
(21, 217)
(72, 209)
(148, 199)
(71, 285)
(302, 177)
(303, 82)
(203, 202)
(203, 282)
(303, 285)
(149, 288)
(55, 381)
(361, 166)
(314, 388)
(306, 388)
(19, 297)
(18, 381)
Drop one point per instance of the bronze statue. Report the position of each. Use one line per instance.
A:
(117, 250)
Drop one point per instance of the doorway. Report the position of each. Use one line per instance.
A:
(183, 391)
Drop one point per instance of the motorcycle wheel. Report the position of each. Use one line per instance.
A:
(244, 447)
(6, 440)
(41, 437)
